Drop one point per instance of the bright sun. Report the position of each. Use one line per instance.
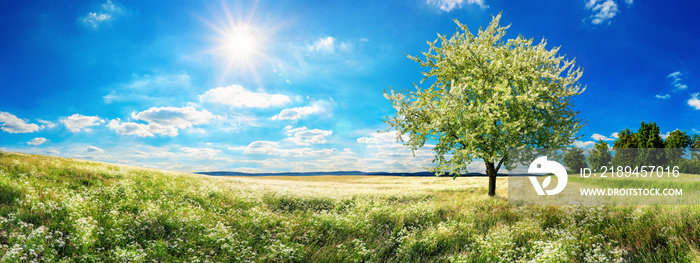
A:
(240, 44)
(240, 47)
(240, 41)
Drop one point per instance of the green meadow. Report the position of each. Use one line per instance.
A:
(66, 210)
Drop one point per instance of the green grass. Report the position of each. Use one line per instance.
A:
(690, 182)
(64, 210)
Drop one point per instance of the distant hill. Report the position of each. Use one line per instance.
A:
(225, 173)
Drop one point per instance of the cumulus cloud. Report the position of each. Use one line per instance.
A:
(384, 152)
(235, 96)
(596, 137)
(326, 44)
(664, 136)
(586, 144)
(78, 122)
(166, 120)
(385, 146)
(200, 153)
(94, 19)
(130, 128)
(92, 149)
(676, 80)
(321, 108)
(259, 147)
(306, 136)
(694, 101)
(10, 123)
(46, 124)
(107, 12)
(603, 11)
(37, 141)
(616, 135)
(54, 152)
(274, 148)
(381, 137)
(663, 97)
(449, 5)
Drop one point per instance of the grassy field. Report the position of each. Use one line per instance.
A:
(62, 210)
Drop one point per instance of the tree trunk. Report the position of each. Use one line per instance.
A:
(491, 172)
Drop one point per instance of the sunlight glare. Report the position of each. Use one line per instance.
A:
(240, 44)
(240, 40)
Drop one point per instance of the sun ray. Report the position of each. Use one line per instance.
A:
(240, 41)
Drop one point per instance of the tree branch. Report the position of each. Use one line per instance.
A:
(501, 162)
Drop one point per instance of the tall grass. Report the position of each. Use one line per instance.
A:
(61, 210)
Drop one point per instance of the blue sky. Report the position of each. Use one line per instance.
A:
(297, 85)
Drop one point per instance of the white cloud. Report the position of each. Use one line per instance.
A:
(200, 153)
(381, 137)
(295, 113)
(234, 122)
(166, 120)
(676, 80)
(664, 136)
(54, 152)
(129, 128)
(46, 124)
(386, 145)
(663, 97)
(596, 137)
(111, 7)
(323, 45)
(694, 101)
(12, 124)
(305, 136)
(629, 2)
(586, 144)
(616, 135)
(37, 141)
(91, 149)
(78, 122)
(384, 152)
(154, 88)
(235, 96)
(94, 19)
(603, 11)
(274, 148)
(108, 11)
(320, 108)
(159, 81)
(259, 147)
(90, 156)
(449, 5)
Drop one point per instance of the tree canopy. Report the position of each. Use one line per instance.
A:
(646, 147)
(675, 144)
(575, 160)
(488, 95)
(600, 155)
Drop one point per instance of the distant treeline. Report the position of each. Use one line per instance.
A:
(642, 148)
(224, 173)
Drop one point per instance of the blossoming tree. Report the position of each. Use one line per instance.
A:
(488, 96)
